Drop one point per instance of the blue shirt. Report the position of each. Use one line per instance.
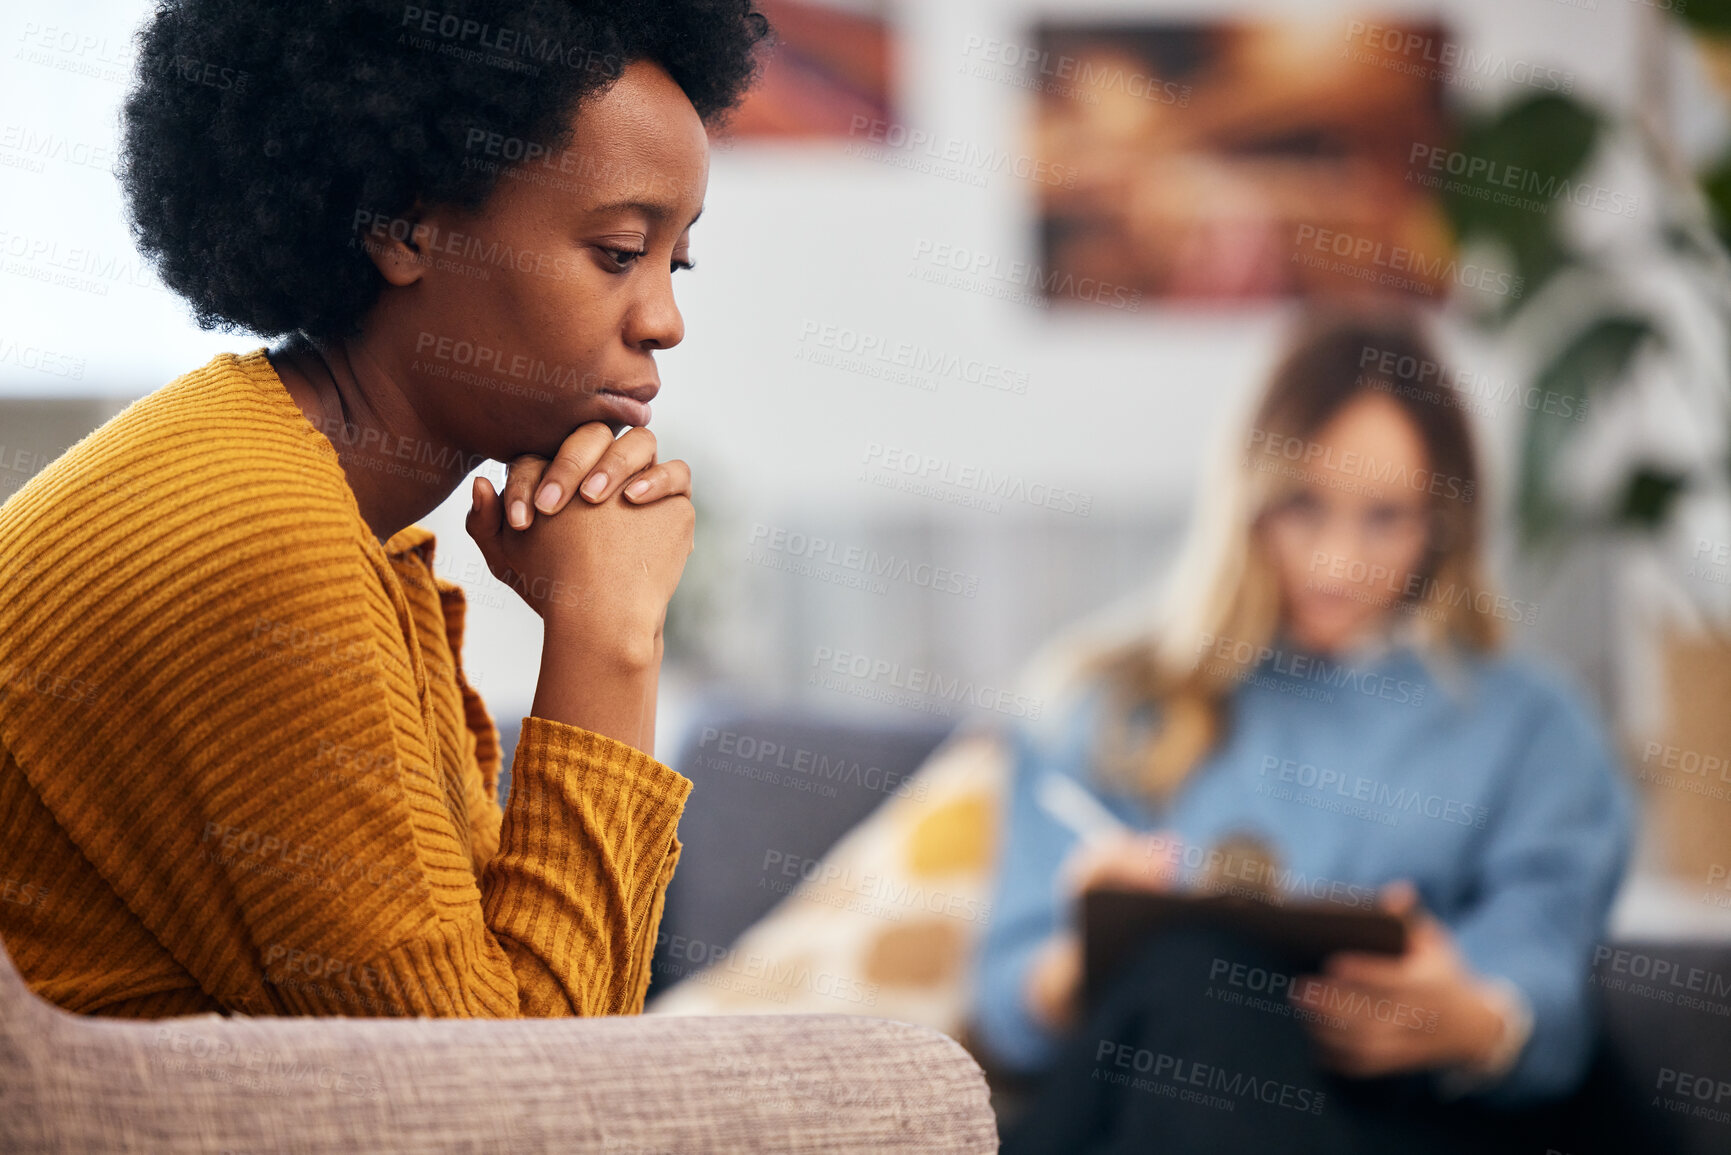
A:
(1483, 780)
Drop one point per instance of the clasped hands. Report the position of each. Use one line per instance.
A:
(593, 539)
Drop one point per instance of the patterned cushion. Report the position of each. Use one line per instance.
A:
(888, 920)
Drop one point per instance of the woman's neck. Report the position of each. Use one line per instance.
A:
(1373, 639)
(399, 472)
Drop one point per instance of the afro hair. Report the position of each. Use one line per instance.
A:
(255, 133)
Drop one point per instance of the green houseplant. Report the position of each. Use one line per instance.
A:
(1596, 331)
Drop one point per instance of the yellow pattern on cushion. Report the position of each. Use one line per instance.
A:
(888, 926)
(957, 836)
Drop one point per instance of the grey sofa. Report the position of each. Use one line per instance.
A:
(630, 1086)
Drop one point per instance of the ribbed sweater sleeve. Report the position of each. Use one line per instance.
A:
(263, 765)
(565, 919)
(566, 821)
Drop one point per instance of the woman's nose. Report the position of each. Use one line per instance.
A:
(655, 322)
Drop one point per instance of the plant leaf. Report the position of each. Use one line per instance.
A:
(1594, 360)
(1503, 183)
(1649, 495)
(1707, 15)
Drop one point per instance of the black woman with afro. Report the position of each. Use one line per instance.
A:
(237, 742)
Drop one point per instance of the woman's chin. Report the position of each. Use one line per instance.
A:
(1331, 635)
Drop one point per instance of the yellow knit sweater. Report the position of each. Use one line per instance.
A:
(240, 766)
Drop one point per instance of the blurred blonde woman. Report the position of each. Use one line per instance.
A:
(1322, 710)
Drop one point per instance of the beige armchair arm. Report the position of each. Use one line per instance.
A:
(629, 1086)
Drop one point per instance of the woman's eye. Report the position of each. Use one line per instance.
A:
(1385, 516)
(623, 259)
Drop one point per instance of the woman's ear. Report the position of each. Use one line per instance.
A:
(396, 244)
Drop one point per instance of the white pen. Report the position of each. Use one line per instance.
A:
(1076, 807)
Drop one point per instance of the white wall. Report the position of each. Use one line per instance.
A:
(1118, 404)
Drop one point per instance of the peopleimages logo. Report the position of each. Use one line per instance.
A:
(1248, 657)
(736, 750)
(1411, 586)
(962, 267)
(887, 896)
(41, 360)
(866, 348)
(45, 259)
(1417, 54)
(762, 975)
(866, 562)
(1062, 74)
(1358, 788)
(1500, 182)
(45, 683)
(1400, 372)
(829, 666)
(499, 46)
(877, 139)
(1176, 1077)
(1396, 266)
(487, 360)
(1691, 771)
(38, 146)
(23, 893)
(1369, 469)
(926, 470)
(76, 51)
(519, 157)
(1333, 1001)
(1224, 871)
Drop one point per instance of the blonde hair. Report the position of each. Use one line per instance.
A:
(1225, 585)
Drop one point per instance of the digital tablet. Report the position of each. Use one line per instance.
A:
(1115, 923)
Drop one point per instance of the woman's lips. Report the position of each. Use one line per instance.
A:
(628, 410)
